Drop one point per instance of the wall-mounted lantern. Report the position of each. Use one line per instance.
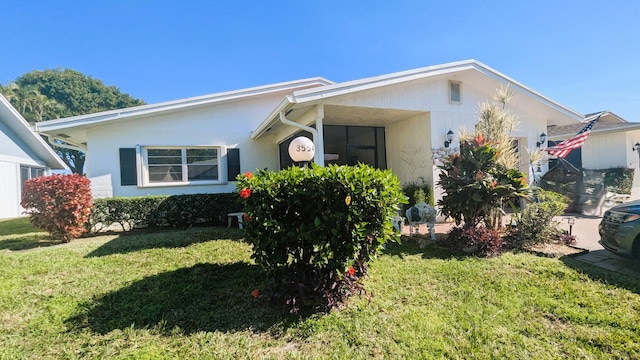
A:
(449, 138)
(543, 137)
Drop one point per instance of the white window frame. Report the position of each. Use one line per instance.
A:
(143, 151)
(451, 83)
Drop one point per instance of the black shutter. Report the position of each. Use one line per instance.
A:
(128, 169)
(233, 164)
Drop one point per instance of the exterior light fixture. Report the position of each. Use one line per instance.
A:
(449, 138)
(302, 150)
(636, 147)
(543, 137)
(571, 221)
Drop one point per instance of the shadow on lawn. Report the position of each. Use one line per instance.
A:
(410, 247)
(603, 275)
(27, 241)
(140, 240)
(204, 297)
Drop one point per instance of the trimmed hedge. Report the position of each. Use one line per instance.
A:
(178, 211)
(314, 230)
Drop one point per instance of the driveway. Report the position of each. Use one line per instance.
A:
(586, 231)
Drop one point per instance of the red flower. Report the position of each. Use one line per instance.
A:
(479, 140)
(255, 293)
(245, 193)
(246, 217)
(248, 175)
(351, 270)
(523, 181)
(494, 184)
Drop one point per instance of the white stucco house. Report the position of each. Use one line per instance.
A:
(23, 155)
(611, 143)
(395, 121)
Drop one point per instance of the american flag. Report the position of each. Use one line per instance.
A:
(564, 148)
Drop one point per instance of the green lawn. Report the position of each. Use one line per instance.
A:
(187, 294)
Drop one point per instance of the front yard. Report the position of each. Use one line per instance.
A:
(187, 294)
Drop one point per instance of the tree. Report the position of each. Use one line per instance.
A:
(54, 94)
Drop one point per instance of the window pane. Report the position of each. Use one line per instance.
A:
(203, 172)
(360, 135)
(202, 164)
(201, 156)
(164, 156)
(24, 175)
(160, 173)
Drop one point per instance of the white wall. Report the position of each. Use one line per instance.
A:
(404, 139)
(431, 96)
(227, 125)
(613, 149)
(9, 190)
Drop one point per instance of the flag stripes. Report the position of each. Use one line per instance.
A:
(564, 148)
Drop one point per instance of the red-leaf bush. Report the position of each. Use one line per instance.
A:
(58, 204)
(479, 241)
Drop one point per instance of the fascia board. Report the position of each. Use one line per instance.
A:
(137, 111)
(630, 127)
(378, 81)
(310, 95)
(273, 118)
(21, 128)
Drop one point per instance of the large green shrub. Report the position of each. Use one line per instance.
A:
(619, 180)
(418, 191)
(59, 204)
(314, 230)
(535, 224)
(475, 186)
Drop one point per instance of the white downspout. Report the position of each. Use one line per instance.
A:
(320, 149)
(317, 138)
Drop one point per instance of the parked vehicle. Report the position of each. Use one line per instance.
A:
(620, 229)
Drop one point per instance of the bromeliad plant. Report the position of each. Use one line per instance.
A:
(314, 230)
(475, 185)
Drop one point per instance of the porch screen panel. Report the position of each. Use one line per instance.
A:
(381, 148)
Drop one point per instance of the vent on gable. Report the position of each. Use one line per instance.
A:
(455, 92)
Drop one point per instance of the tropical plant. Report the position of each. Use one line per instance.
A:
(475, 185)
(495, 125)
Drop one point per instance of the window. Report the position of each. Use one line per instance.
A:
(182, 165)
(455, 92)
(29, 172)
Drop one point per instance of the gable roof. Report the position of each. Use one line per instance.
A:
(324, 92)
(20, 127)
(608, 122)
(175, 105)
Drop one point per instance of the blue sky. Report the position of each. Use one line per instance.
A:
(583, 54)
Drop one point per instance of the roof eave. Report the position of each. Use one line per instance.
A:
(143, 110)
(21, 128)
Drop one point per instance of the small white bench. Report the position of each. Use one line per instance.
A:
(238, 215)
